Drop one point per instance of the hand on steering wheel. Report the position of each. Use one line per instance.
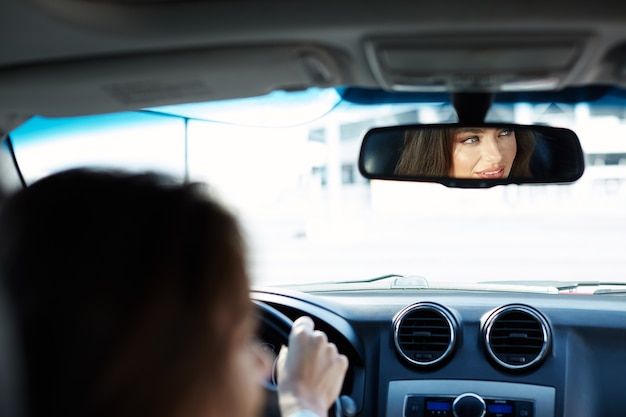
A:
(310, 372)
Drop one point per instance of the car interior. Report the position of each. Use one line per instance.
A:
(532, 332)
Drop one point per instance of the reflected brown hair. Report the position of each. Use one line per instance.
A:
(116, 280)
(428, 153)
(525, 146)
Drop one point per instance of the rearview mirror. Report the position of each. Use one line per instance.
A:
(472, 156)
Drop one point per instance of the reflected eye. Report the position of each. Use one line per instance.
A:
(472, 139)
(505, 132)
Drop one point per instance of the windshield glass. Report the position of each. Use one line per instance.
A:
(286, 164)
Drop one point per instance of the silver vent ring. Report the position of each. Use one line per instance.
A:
(412, 312)
(489, 328)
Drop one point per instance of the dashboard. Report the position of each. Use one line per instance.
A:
(468, 353)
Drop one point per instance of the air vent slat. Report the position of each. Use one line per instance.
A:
(424, 334)
(425, 346)
(538, 339)
(516, 336)
(441, 340)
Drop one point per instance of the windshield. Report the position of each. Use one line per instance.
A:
(286, 164)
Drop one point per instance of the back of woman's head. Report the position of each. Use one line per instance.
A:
(115, 278)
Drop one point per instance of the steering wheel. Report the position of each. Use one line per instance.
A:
(276, 325)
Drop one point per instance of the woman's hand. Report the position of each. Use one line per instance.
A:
(310, 372)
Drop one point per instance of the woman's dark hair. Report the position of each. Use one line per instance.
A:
(115, 278)
(428, 153)
(525, 146)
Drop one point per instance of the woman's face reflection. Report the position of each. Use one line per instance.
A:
(483, 152)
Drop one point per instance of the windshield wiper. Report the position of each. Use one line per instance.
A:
(609, 291)
(592, 287)
(399, 281)
(376, 279)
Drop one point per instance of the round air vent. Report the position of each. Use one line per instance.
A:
(424, 333)
(517, 337)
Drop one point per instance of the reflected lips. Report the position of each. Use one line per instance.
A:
(492, 173)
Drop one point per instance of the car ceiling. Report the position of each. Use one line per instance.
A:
(72, 57)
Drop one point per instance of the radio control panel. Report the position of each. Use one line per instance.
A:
(463, 398)
(466, 405)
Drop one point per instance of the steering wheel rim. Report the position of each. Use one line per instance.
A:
(271, 318)
(281, 324)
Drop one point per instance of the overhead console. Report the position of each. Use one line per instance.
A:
(476, 62)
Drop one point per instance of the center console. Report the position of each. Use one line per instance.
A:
(461, 398)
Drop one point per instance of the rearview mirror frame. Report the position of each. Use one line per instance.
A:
(557, 157)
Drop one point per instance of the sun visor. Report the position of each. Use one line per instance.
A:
(118, 83)
(495, 62)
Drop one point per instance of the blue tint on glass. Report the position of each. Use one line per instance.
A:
(276, 109)
(42, 128)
